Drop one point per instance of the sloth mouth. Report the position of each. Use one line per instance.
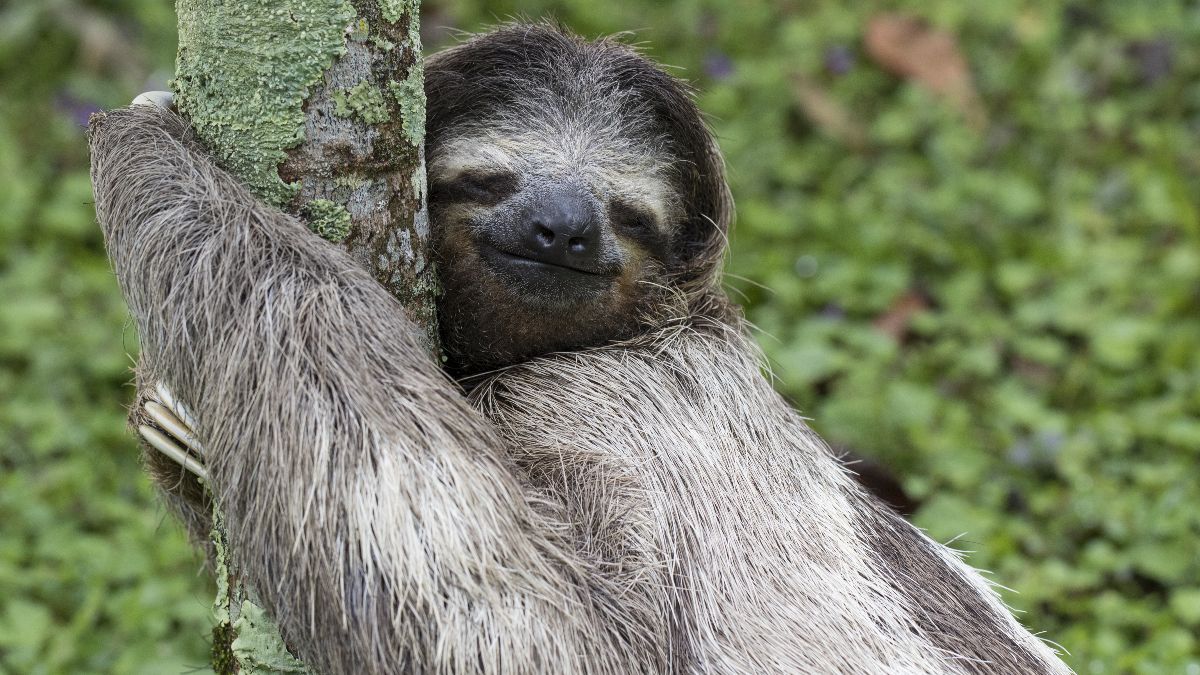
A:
(541, 281)
(525, 260)
(496, 255)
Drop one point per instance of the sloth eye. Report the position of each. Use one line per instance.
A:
(488, 188)
(630, 218)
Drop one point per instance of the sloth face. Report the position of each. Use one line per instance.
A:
(549, 237)
(574, 188)
(558, 215)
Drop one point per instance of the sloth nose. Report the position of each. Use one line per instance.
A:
(561, 229)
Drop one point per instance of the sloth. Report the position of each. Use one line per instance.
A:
(601, 480)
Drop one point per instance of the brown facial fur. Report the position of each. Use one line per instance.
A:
(486, 323)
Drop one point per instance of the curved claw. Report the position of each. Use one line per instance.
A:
(174, 436)
(166, 446)
(162, 99)
(179, 431)
(168, 399)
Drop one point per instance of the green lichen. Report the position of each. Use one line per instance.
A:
(243, 73)
(410, 95)
(350, 181)
(221, 602)
(251, 643)
(360, 30)
(364, 101)
(223, 660)
(394, 10)
(328, 219)
(258, 647)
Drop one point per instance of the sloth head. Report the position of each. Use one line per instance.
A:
(576, 194)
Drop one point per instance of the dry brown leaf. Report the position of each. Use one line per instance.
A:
(827, 113)
(1032, 371)
(909, 47)
(896, 320)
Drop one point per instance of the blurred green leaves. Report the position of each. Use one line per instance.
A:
(1042, 398)
(93, 577)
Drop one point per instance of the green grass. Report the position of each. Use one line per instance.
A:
(1044, 400)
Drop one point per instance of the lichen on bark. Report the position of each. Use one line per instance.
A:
(395, 10)
(410, 95)
(328, 219)
(319, 101)
(363, 100)
(272, 53)
(245, 639)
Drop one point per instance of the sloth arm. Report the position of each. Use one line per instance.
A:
(373, 510)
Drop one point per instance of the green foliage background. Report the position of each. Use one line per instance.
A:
(1045, 400)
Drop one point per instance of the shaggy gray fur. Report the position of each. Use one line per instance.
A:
(651, 506)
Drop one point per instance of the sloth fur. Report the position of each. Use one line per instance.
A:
(644, 505)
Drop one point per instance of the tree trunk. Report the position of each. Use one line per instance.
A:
(319, 106)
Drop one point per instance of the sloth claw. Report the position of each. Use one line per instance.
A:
(171, 424)
(161, 99)
(164, 444)
(168, 399)
(174, 434)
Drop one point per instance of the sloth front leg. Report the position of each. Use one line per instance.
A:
(173, 433)
(378, 514)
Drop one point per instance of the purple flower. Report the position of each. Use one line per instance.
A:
(1155, 59)
(833, 311)
(717, 65)
(75, 108)
(839, 60)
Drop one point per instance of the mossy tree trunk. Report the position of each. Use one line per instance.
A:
(318, 105)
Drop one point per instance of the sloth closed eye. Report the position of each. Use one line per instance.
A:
(631, 217)
(483, 187)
